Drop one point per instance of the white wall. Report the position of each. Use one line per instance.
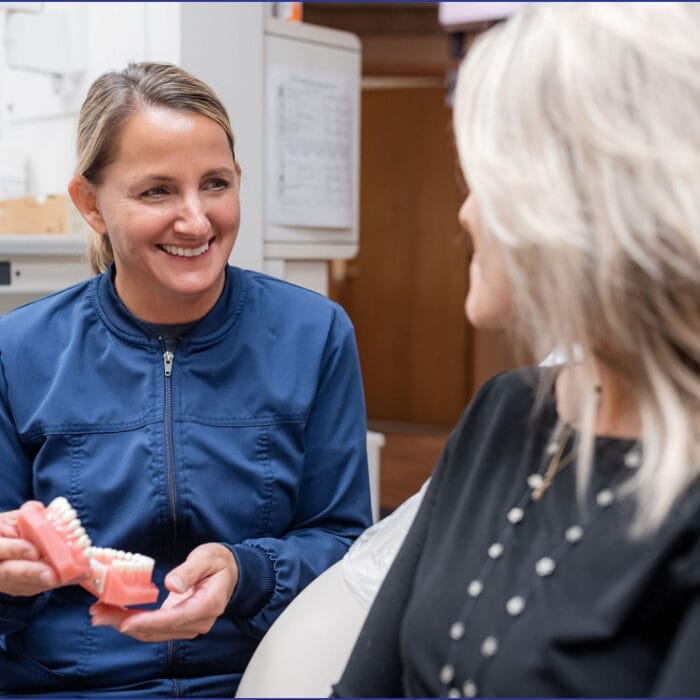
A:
(42, 116)
(220, 42)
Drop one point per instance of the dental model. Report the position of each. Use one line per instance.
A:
(113, 576)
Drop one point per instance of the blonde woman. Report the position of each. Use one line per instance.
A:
(208, 417)
(557, 550)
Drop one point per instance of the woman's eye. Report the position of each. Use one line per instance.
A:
(154, 192)
(218, 184)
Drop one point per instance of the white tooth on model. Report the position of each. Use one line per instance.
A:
(67, 516)
(59, 504)
(57, 508)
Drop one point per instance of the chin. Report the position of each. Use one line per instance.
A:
(483, 319)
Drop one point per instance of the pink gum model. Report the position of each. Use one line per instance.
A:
(56, 532)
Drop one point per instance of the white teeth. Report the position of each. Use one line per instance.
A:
(64, 518)
(134, 563)
(185, 252)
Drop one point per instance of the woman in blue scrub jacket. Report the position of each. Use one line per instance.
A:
(206, 416)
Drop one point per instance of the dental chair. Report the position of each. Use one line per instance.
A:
(305, 651)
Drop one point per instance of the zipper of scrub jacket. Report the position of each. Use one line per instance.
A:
(168, 358)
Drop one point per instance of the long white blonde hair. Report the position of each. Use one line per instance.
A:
(578, 130)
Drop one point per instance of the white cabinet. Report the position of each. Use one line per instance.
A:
(35, 265)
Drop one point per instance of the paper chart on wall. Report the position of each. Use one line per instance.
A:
(309, 148)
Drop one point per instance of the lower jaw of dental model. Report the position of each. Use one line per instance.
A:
(113, 576)
(120, 578)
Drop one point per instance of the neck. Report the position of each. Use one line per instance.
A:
(617, 414)
(153, 306)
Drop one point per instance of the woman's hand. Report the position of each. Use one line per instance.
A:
(21, 572)
(200, 588)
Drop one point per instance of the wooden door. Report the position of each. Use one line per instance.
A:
(405, 290)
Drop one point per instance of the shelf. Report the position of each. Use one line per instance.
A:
(42, 245)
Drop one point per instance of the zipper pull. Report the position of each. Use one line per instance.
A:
(168, 356)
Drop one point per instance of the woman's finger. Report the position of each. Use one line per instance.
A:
(26, 578)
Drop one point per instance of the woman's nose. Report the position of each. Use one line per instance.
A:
(464, 213)
(192, 218)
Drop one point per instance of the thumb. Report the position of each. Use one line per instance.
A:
(200, 563)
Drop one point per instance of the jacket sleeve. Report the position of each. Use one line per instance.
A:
(16, 487)
(333, 505)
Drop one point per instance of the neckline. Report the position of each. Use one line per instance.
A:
(205, 331)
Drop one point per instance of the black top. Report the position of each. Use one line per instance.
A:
(494, 593)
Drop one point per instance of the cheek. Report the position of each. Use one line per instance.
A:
(135, 222)
(488, 303)
(227, 215)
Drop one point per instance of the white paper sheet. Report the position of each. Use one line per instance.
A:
(308, 148)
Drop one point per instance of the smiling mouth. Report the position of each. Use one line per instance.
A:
(184, 252)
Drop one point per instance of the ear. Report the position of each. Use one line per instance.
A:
(84, 196)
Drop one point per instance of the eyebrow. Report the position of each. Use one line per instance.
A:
(229, 172)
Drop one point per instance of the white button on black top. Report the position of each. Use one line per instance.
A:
(515, 605)
(515, 515)
(574, 533)
(453, 693)
(545, 566)
(475, 587)
(534, 481)
(605, 498)
(633, 459)
(469, 689)
(495, 550)
(489, 646)
(447, 674)
(457, 631)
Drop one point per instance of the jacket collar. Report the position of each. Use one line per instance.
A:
(207, 330)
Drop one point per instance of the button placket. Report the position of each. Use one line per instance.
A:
(544, 568)
(457, 630)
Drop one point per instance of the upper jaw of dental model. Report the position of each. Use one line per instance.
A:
(58, 535)
(184, 252)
